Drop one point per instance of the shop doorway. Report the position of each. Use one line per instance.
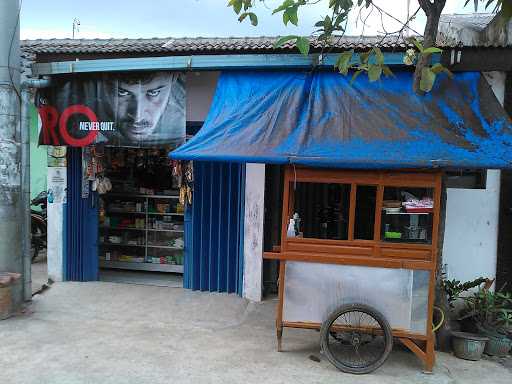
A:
(141, 218)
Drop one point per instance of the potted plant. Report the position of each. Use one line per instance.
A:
(491, 313)
(468, 346)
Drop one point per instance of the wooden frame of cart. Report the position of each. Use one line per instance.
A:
(360, 257)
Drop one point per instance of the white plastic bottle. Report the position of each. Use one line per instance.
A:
(291, 229)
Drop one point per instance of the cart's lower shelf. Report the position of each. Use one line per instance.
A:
(141, 266)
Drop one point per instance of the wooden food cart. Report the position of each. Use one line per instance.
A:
(358, 240)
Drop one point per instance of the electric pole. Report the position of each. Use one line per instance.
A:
(10, 152)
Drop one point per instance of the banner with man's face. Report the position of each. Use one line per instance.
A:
(130, 109)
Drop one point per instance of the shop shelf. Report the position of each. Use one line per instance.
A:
(141, 266)
(123, 228)
(127, 195)
(122, 245)
(144, 229)
(165, 214)
(165, 247)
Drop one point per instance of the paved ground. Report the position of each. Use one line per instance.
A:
(124, 333)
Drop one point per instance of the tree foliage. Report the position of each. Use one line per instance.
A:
(371, 62)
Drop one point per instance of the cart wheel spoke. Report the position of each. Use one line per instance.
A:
(356, 338)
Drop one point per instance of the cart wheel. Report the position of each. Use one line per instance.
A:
(356, 338)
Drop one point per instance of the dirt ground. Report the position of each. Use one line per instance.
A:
(125, 333)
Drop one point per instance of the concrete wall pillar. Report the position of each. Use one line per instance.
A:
(56, 231)
(253, 231)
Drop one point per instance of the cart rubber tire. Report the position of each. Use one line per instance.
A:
(379, 317)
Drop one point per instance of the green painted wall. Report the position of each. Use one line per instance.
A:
(38, 160)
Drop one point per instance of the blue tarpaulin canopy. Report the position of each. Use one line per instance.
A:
(320, 119)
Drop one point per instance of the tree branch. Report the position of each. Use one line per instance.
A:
(433, 11)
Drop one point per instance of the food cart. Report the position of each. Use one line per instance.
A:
(361, 263)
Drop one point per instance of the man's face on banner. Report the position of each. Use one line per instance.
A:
(141, 104)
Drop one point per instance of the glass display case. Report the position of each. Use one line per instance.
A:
(407, 215)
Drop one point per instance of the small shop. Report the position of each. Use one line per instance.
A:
(121, 210)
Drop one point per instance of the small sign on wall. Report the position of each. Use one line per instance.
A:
(57, 185)
(56, 156)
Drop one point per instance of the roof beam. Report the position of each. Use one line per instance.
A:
(201, 63)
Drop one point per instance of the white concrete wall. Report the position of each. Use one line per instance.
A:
(472, 219)
(200, 87)
(253, 231)
(471, 232)
(55, 237)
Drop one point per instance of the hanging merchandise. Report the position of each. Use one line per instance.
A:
(86, 171)
(101, 184)
(93, 171)
(189, 180)
(183, 173)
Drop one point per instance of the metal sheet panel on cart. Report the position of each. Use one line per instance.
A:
(214, 228)
(314, 290)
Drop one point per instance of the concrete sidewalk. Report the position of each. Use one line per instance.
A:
(118, 333)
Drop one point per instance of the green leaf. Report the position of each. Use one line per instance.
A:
(374, 72)
(379, 56)
(506, 10)
(387, 72)
(253, 18)
(354, 76)
(417, 44)
(286, 18)
(292, 15)
(343, 61)
(283, 6)
(283, 40)
(236, 4)
(327, 22)
(303, 45)
(364, 56)
(438, 68)
(431, 50)
(427, 79)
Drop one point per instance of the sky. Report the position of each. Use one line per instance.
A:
(190, 18)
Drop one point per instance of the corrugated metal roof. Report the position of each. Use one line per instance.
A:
(474, 30)
(197, 45)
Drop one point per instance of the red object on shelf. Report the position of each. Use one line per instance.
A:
(419, 210)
